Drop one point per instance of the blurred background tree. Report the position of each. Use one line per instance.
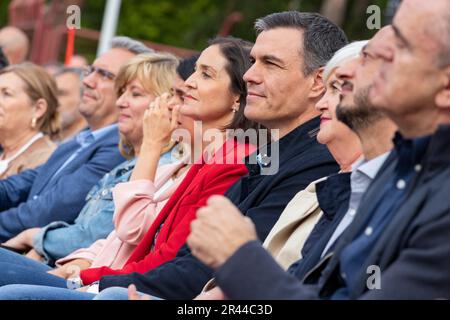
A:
(189, 24)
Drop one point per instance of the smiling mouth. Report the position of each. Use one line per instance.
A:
(86, 95)
(252, 94)
(189, 97)
(123, 116)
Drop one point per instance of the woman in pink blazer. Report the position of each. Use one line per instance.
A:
(154, 187)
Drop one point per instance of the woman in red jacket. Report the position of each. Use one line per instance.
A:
(216, 96)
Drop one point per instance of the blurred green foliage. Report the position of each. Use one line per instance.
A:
(190, 24)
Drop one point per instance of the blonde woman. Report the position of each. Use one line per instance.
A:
(28, 117)
(140, 80)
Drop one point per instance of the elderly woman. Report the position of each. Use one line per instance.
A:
(28, 117)
(138, 83)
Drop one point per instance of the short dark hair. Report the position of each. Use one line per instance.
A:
(237, 53)
(186, 66)
(444, 54)
(321, 37)
(3, 60)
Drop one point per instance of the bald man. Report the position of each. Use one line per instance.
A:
(15, 44)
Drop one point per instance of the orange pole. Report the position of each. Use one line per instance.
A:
(70, 45)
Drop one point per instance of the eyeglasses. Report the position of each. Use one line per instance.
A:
(104, 74)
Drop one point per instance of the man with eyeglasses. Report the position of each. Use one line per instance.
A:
(56, 191)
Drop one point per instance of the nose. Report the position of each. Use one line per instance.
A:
(191, 82)
(89, 81)
(347, 70)
(252, 75)
(383, 42)
(122, 102)
(322, 104)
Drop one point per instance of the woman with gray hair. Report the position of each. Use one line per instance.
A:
(350, 51)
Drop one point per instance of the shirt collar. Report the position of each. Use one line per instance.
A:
(370, 168)
(84, 137)
(102, 132)
(439, 149)
(125, 167)
(87, 136)
(410, 152)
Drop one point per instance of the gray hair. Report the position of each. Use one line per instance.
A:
(444, 54)
(343, 55)
(131, 45)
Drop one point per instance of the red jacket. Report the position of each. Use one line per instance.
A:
(202, 181)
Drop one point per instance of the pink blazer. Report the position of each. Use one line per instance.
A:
(132, 218)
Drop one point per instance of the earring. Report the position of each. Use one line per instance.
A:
(33, 123)
(234, 110)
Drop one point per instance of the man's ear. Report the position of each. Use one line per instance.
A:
(442, 99)
(318, 87)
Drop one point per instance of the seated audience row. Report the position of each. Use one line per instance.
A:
(346, 200)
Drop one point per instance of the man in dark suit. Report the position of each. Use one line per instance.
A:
(57, 189)
(397, 245)
(284, 84)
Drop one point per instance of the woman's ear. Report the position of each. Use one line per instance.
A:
(317, 88)
(40, 108)
(237, 103)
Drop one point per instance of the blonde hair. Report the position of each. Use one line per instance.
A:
(156, 72)
(39, 85)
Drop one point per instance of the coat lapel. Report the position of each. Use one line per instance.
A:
(52, 165)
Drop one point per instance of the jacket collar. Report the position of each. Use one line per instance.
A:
(439, 148)
(287, 147)
(410, 152)
(331, 192)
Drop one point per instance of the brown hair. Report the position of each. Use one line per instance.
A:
(237, 53)
(39, 85)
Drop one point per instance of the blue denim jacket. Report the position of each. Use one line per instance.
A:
(94, 222)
